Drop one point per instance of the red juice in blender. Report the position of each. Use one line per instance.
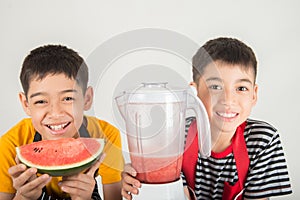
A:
(157, 169)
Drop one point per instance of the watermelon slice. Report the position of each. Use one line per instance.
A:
(62, 157)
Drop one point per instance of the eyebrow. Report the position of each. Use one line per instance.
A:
(220, 80)
(213, 79)
(44, 93)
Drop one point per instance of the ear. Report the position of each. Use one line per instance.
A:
(24, 103)
(88, 98)
(194, 87)
(255, 91)
(193, 84)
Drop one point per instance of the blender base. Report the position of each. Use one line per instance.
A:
(166, 191)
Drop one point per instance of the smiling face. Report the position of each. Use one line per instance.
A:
(228, 93)
(56, 105)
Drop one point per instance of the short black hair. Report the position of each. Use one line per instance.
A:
(53, 59)
(228, 50)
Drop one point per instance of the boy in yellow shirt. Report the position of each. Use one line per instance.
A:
(54, 80)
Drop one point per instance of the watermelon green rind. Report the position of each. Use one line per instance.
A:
(67, 172)
(64, 170)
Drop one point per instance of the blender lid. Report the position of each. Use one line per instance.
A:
(156, 92)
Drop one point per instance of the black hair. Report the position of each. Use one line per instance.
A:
(228, 50)
(53, 59)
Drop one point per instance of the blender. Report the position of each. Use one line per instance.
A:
(154, 116)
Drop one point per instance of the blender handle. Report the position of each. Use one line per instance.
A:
(203, 126)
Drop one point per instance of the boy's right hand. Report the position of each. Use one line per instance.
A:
(130, 184)
(26, 182)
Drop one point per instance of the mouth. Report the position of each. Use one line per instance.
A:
(58, 127)
(227, 115)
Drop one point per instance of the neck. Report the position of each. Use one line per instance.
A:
(221, 140)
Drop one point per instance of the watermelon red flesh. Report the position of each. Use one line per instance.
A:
(60, 154)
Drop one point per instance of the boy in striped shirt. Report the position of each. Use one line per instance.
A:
(247, 160)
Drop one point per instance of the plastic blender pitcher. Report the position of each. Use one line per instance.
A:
(154, 115)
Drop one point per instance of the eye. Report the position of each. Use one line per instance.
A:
(215, 87)
(39, 102)
(242, 88)
(69, 99)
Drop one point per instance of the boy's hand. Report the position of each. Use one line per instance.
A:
(130, 184)
(26, 182)
(81, 186)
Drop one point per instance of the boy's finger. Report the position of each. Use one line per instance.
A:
(126, 195)
(16, 170)
(22, 177)
(17, 160)
(91, 171)
(95, 167)
(129, 170)
(38, 182)
(102, 156)
(130, 181)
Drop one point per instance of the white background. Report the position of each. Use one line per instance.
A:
(271, 28)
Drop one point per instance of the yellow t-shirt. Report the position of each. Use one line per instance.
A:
(23, 133)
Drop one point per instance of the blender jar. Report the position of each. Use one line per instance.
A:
(155, 127)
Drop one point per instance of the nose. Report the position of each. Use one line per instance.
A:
(55, 110)
(228, 97)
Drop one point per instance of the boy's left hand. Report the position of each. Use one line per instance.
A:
(81, 186)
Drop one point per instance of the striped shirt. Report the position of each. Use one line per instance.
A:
(267, 176)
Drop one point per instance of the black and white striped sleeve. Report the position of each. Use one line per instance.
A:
(268, 174)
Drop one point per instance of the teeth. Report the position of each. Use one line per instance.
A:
(57, 127)
(227, 115)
